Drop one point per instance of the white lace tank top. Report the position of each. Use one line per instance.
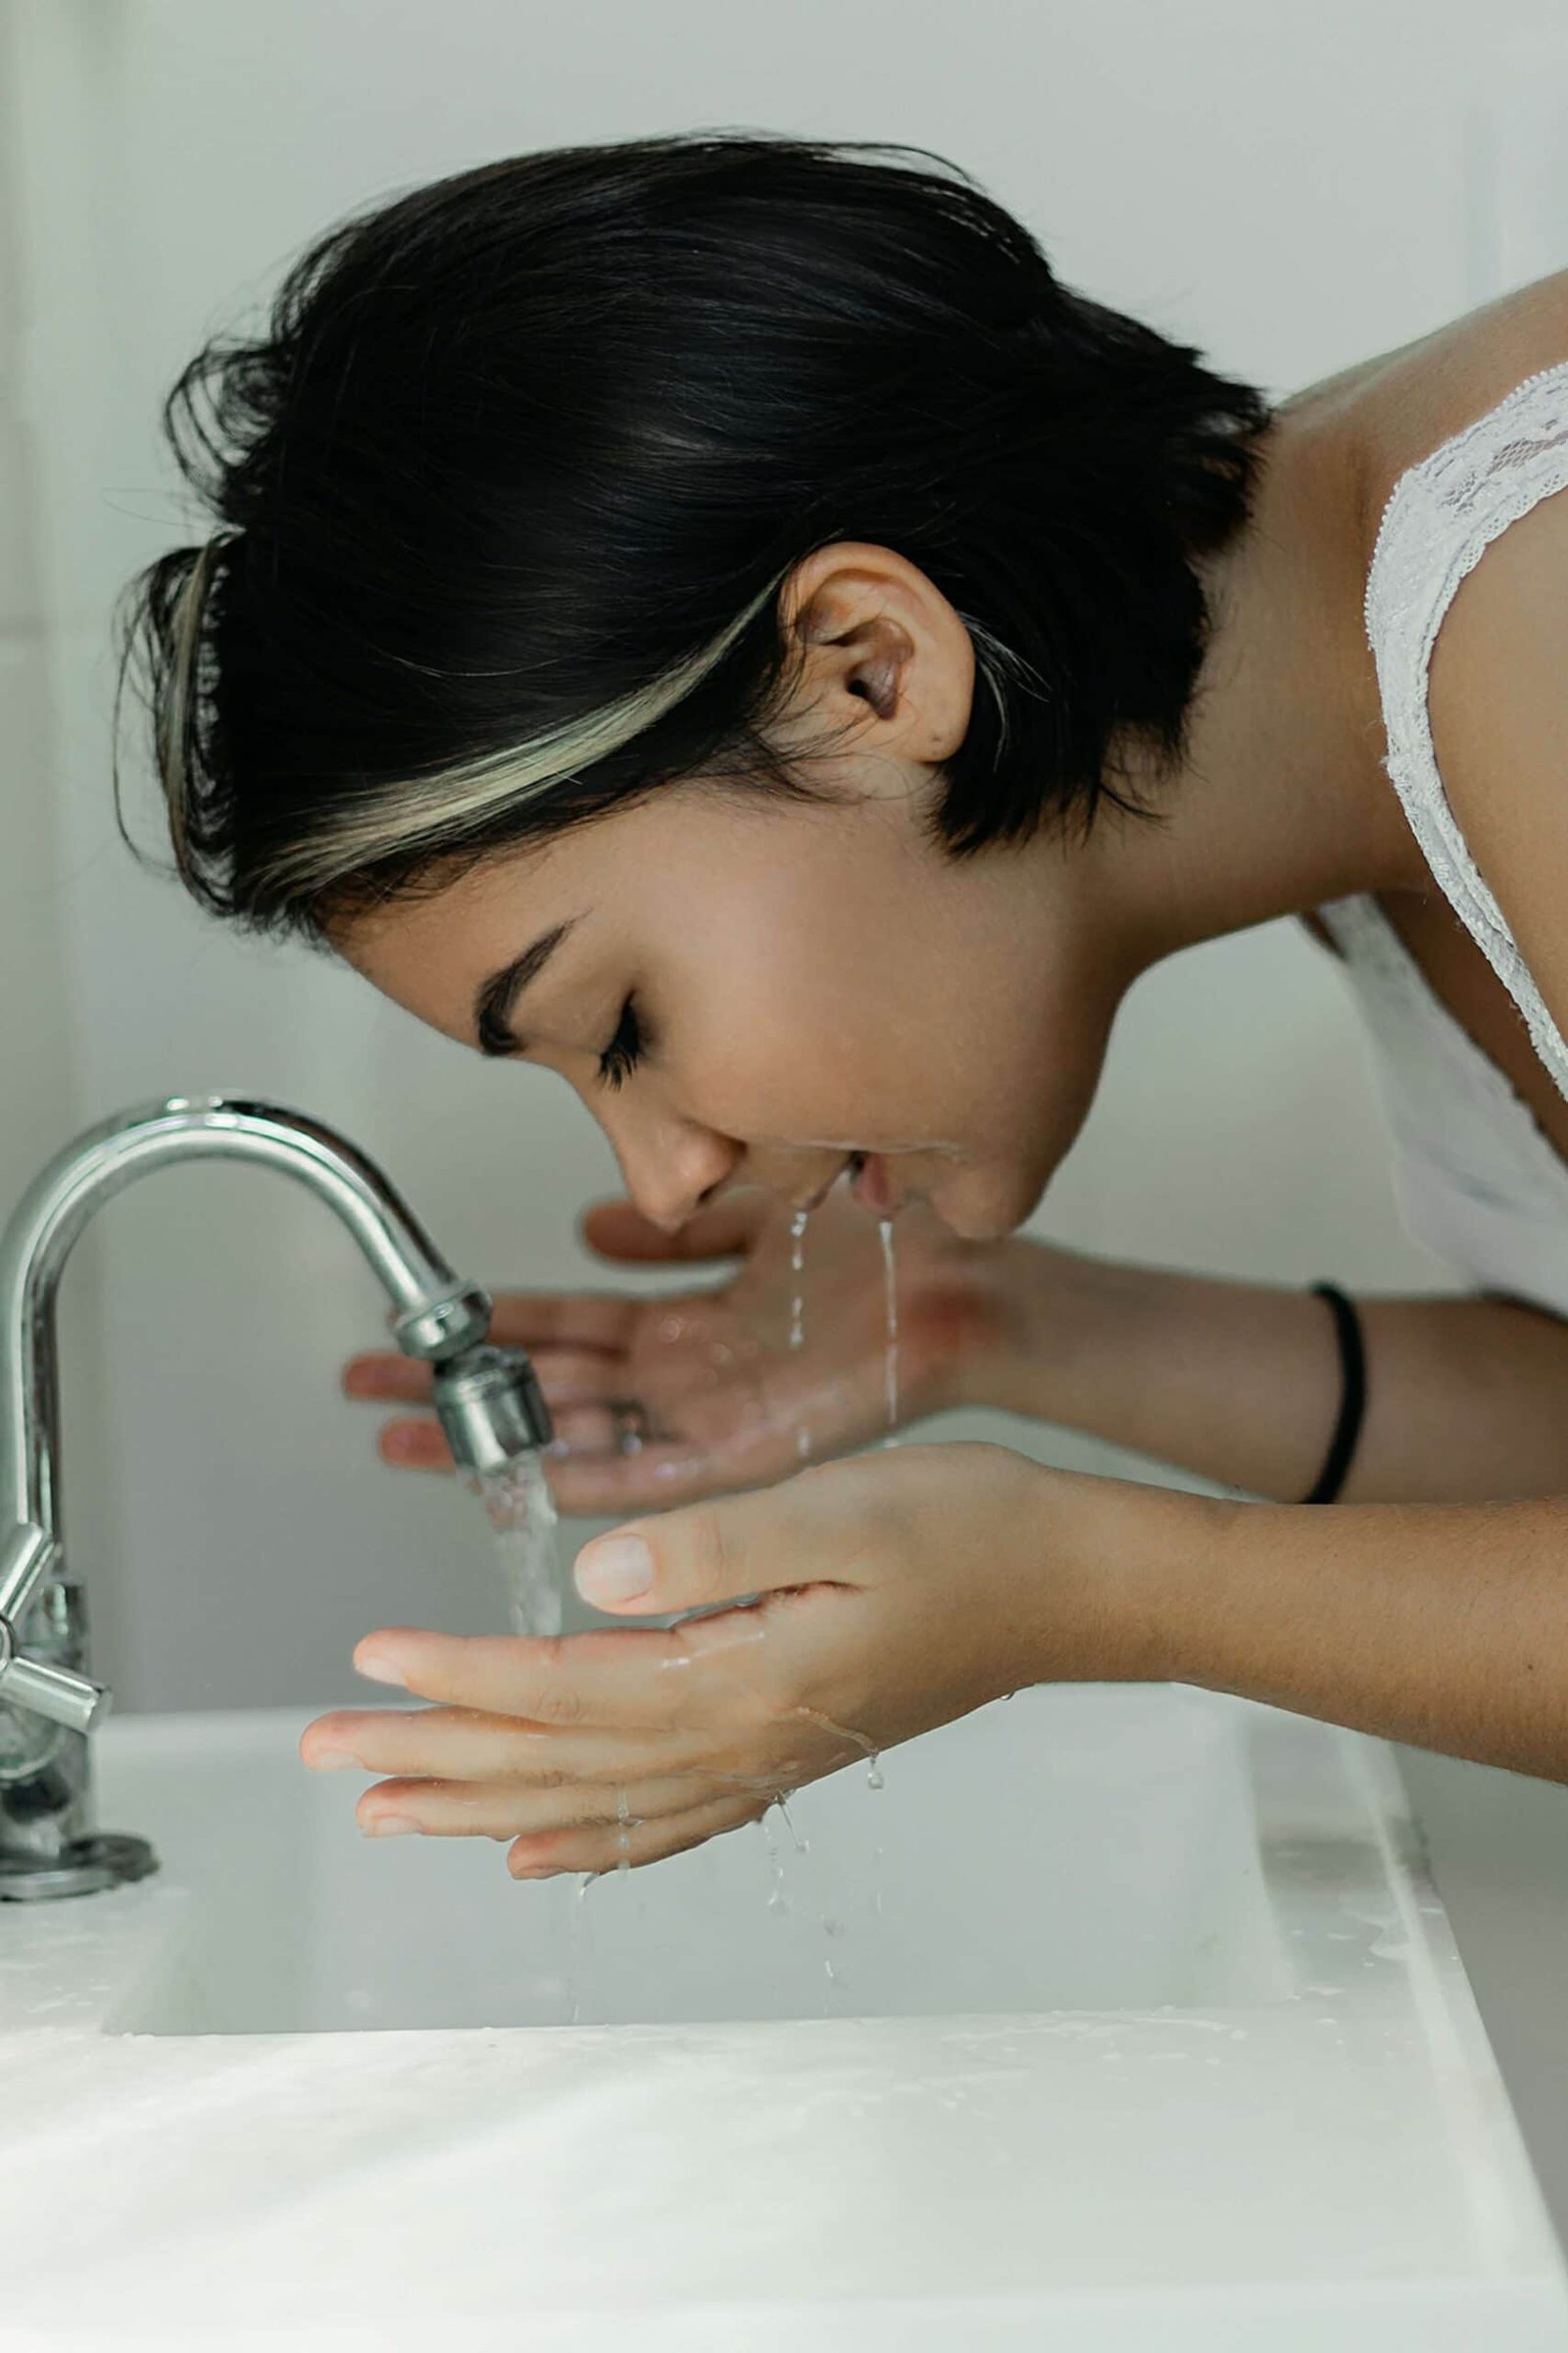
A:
(1477, 1178)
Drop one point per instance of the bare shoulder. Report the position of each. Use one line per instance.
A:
(1497, 704)
(1410, 400)
(1497, 687)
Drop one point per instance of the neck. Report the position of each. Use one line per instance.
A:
(1281, 803)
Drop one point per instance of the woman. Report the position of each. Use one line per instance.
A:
(716, 617)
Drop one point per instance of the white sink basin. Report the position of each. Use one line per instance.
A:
(1076, 1851)
(1145, 2030)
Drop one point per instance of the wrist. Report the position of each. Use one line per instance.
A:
(1137, 1562)
(1031, 1331)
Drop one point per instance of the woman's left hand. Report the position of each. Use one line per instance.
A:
(895, 1592)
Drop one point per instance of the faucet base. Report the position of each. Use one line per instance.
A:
(108, 1859)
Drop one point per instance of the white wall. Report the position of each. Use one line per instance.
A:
(38, 1027)
(1291, 188)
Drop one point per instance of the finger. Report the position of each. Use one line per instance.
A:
(767, 1541)
(414, 1445)
(386, 1374)
(600, 1482)
(602, 1429)
(463, 1744)
(581, 1319)
(466, 1744)
(616, 1230)
(569, 1375)
(507, 1809)
(565, 1374)
(609, 1484)
(544, 1853)
(645, 1678)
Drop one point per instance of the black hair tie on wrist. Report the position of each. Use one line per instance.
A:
(1352, 1395)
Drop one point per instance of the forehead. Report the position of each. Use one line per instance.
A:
(634, 877)
(429, 950)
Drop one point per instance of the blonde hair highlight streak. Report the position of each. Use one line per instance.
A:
(455, 800)
(178, 713)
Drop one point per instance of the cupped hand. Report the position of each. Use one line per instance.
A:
(874, 1599)
(706, 1382)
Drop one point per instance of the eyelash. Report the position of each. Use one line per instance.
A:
(625, 1049)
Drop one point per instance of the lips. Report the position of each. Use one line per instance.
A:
(870, 1183)
(823, 1190)
(873, 1185)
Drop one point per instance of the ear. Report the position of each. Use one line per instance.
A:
(885, 653)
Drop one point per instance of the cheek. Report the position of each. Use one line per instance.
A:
(760, 1031)
(780, 1034)
(750, 1067)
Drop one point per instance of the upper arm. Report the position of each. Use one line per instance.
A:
(1498, 702)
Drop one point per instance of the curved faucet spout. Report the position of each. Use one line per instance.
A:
(424, 1289)
(434, 1315)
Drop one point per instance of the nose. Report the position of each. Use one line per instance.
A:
(671, 1165)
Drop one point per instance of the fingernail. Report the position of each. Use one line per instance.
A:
(614, 1568)
(387, 1826)
(381, 1670)
(329, 1760)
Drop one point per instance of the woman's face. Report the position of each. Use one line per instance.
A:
(748, 990)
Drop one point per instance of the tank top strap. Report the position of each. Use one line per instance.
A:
(1440, 517)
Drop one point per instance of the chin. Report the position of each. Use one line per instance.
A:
(985, 1205)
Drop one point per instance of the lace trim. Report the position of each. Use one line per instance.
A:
(1439, 520)
(1480, 1114)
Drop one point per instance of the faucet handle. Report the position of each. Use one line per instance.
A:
(58, 1692)
(29, 1556)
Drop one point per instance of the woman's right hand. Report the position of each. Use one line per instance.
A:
(716, 1389)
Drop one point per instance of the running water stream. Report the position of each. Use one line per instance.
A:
(833, 1928)
(798, 1224)
(803, 1436)
(890, 1359)
(521, 1513)
(522, 1510)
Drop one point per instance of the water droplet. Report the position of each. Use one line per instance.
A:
(576, 1932)
(801, 1845)
(775, 1865)
(846, 1732)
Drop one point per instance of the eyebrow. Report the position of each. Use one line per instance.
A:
(495, 998)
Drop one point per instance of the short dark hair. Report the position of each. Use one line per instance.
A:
(505, 492)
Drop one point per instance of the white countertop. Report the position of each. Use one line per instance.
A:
(1337, 2152)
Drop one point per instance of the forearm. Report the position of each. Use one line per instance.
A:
(1467, 1399)
(1442, 1625)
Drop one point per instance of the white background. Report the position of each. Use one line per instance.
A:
(1289, 188)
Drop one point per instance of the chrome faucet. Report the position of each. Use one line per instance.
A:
(487, 1398)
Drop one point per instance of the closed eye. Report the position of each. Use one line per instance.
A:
(625, 1049)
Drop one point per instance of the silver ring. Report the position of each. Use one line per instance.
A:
(629, 1420)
